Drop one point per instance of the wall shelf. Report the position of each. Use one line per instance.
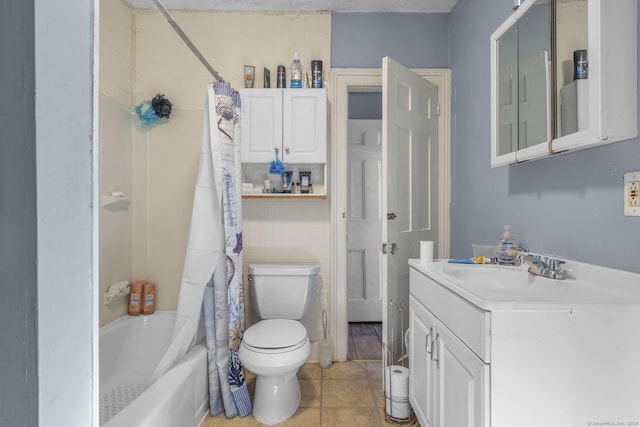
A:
(284, 196)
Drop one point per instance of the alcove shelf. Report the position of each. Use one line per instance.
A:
(285, 196)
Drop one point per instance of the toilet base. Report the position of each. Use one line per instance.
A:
(276, 398)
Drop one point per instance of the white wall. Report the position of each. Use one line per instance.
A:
(166, 157)
(65, 187)
(115, 149)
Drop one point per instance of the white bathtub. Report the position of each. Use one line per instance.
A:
(130, 348)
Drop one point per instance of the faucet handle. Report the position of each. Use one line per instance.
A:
(555, 264)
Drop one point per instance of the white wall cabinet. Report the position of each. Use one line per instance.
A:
(293, 120)
(446, 387)
(532, 121)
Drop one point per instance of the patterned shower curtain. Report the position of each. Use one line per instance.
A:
(223, 294)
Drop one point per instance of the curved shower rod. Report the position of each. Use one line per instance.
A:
(187, 41)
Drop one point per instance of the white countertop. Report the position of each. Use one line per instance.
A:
(493, 287)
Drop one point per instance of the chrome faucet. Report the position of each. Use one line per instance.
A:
(548, 267)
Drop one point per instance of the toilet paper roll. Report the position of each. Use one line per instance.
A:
(426, 251)
(396, 383)
(396, 391)
(397, 410)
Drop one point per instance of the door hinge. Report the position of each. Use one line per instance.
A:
(384, 248)
(391, 216)
(438, 110)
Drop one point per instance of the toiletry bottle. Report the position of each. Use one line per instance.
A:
(316, 71)
(507, 249)
(135, 302)
(296, 72)
(148, 298)
(281, 81)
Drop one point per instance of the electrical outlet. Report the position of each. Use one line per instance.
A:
(632, 194)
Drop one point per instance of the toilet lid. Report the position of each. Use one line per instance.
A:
(275, 333)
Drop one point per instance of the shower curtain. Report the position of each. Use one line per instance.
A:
(212, 277)
(223, 294)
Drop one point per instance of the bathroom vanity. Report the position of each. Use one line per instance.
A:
(497, 346)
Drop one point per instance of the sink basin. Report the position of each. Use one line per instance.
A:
(508, 286)
(510, 283)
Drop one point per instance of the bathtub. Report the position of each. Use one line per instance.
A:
(130, 348)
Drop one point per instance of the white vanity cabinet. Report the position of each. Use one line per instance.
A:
(508, 362)
(293, 120)
(448, 380)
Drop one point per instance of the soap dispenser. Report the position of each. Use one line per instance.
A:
(507, 249)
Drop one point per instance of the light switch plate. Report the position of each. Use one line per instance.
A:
(632, 193)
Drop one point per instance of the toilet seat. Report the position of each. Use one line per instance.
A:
(275, 336)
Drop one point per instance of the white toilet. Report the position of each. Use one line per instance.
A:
(277, 346)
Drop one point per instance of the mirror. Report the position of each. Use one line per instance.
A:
(534, 75)
(507, 91)
(572, 71)
(524, 81)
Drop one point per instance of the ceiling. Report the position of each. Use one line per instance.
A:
(404, 6)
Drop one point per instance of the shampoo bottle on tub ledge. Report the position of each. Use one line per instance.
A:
(135, 296)
(148, 298)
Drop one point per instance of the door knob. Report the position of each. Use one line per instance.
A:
(286, 150)
(393, 248)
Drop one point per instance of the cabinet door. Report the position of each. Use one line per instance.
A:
(261, 124)
(462, 383)
(422, 380)
(304, 137)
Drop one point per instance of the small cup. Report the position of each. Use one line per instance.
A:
(249, 74)
(287, 181)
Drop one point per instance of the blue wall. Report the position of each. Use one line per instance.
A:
(361, 40)
(569, 205)
(18, 222)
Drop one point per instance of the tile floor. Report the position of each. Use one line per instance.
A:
(365, 341)
(348, 394)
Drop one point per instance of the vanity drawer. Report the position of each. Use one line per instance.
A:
(468, 322)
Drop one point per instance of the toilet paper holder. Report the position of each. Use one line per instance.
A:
(396, 378)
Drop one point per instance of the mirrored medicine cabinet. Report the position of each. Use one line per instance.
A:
(563, 77)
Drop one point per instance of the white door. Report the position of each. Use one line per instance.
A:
(410, 198)
(364, 220)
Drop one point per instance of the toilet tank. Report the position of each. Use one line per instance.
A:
(282, 291)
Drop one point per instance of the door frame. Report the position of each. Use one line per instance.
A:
(343, 81)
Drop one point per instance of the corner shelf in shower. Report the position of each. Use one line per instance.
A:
(107, 200)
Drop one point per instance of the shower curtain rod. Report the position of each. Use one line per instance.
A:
(187, 41)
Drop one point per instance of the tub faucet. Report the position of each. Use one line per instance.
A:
(544, 266)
